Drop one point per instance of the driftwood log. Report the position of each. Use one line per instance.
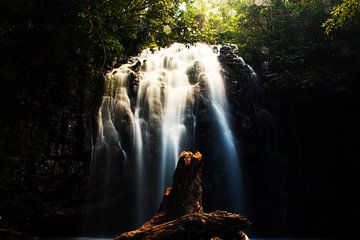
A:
(181, 215)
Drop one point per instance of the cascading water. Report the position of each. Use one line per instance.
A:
(149, 114)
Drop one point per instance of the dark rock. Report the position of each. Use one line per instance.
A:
(195, 71)
(137, 66)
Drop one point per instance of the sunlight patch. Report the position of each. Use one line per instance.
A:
(182, 7)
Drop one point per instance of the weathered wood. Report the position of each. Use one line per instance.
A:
(185, 196)
(181, 215)
(219, 224)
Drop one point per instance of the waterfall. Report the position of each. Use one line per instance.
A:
(150, 112)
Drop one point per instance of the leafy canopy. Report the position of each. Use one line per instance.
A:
(342, 14)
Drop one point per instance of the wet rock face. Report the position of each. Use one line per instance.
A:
(203, 135)
(288, 150)
(242, 88)
(44, 167)
(195, 71)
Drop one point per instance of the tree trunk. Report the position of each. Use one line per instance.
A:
(181, 215)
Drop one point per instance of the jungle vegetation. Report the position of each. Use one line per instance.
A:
(53, 53)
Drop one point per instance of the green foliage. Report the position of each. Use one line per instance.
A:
(54, 54)
(342, 14)
(47, 44)
(288, 36)
(206, 21)
(121, 28)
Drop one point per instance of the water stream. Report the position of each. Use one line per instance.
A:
(149, 114)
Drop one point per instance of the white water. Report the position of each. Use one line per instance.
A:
(157, 115)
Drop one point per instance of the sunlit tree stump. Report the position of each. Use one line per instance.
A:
(181, 215)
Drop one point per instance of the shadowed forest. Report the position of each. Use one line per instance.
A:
(295, 125)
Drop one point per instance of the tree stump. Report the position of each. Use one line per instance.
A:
(181, 215)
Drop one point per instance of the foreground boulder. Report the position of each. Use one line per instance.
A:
(181, 215)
